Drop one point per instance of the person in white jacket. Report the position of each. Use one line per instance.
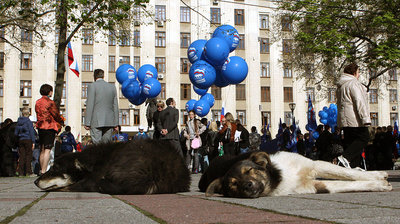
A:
(353, 114)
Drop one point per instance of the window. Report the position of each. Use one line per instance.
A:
(393, 74)
(26, 60)
(163, 92)
(136, 62)
(1, 88)
(26, 36)
(136, 13)
(287, 70)
(374, 119)
(56, 35)
(64, 91)
(85, 86)
(241, 42)
(87, 35)
(373, 96)
(393, 95)
(160, 12)
(239, 16)
(265, 94)
(83, 115)
(184, 117)
(265, 69)
(264, 45)
(124, 60)
(264, 21)
(216, 92)
(185, 40)
(55, 61)
(215, 15)
(111, 63)
(87, 63)
(160, 64)
(136, 116)
(266, 118)
(112, 40)
(1, 60)
(310, 92)
(331, 95)
(185, 65)
(240, 92)
(25, 88)
(160, 39)
(216, 115)
(288, 94)
(393, 118)
(241, 115)
(124, 117)
(125, 38)
(185, 15)
(287, 46)
(288, 118)
(286, 23)
(185, 92)
(136, 41)
(1, 109)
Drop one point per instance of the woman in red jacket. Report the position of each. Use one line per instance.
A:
(49, 122)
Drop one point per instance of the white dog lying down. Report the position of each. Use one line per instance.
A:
(258, 174)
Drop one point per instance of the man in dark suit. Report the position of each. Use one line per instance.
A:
(102, 114)
(168, 124)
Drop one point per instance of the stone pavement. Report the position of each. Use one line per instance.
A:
(22, 202)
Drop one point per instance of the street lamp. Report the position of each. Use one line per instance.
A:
(292, 106)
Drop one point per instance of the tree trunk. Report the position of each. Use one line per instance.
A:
(62, 43)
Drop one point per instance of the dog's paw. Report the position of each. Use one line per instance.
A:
(386, 186)
(377, 175)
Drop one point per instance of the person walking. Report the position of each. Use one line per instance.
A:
(227, 134)
(49, 122)
(101, 109)
(151, 104)
(168, 124)
(353, 114)
(194, 128)
(68, 143)
(244, 142)
(25, 133)
(156, 115)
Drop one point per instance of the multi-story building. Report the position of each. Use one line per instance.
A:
(262, 98)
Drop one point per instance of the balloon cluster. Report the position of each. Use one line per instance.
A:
(140, 85)
(328, 115)
(212, 66)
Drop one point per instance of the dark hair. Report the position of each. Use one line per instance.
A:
(218, 123)
(45, 89)
(192, 111)
(67, 128)
(253, 129)
(204, 121)
(98, 73)
(351, 68)
(169, 101)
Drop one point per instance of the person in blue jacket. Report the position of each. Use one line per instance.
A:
(141, 134)
(68, 143)
(119, 136)
(25, 133)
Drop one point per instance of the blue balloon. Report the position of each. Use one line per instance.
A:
(220, 81)
(325, 109)
(199, 91)
(315, 135)
(125, 72)
(190, 105)
(195, 50)
(131, 88)
(147, 71)
(323, 121)
(138, 100)
(202, 74)
(229, 34)
(216, 51)
(151, 87)
(323, 115)
(209, 98)
(201, 108)
(235, 70)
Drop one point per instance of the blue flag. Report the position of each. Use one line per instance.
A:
(311, 120)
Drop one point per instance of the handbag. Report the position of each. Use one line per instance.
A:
(196, 143)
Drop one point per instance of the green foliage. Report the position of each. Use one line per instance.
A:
(335, 32)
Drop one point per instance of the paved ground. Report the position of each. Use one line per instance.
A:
(22, 202)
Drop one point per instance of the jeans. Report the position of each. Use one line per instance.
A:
(35, 161)
(244, 150)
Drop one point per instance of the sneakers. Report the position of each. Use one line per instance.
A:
(343, 161)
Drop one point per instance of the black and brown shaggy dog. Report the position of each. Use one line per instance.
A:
(138, 167)
(258, 174)
(8, 141)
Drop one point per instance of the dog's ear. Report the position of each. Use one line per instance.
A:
(81, 166)
(260, 158)
(214, 187)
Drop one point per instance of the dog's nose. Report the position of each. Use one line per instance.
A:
(249, 185)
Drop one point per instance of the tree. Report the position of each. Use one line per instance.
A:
(327, 34)
(70, 16)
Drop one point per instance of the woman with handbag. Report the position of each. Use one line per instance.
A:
(193, 141)
(227, 134)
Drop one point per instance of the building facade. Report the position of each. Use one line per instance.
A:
(261, 99)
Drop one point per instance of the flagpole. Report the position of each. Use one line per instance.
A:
(66, 86)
